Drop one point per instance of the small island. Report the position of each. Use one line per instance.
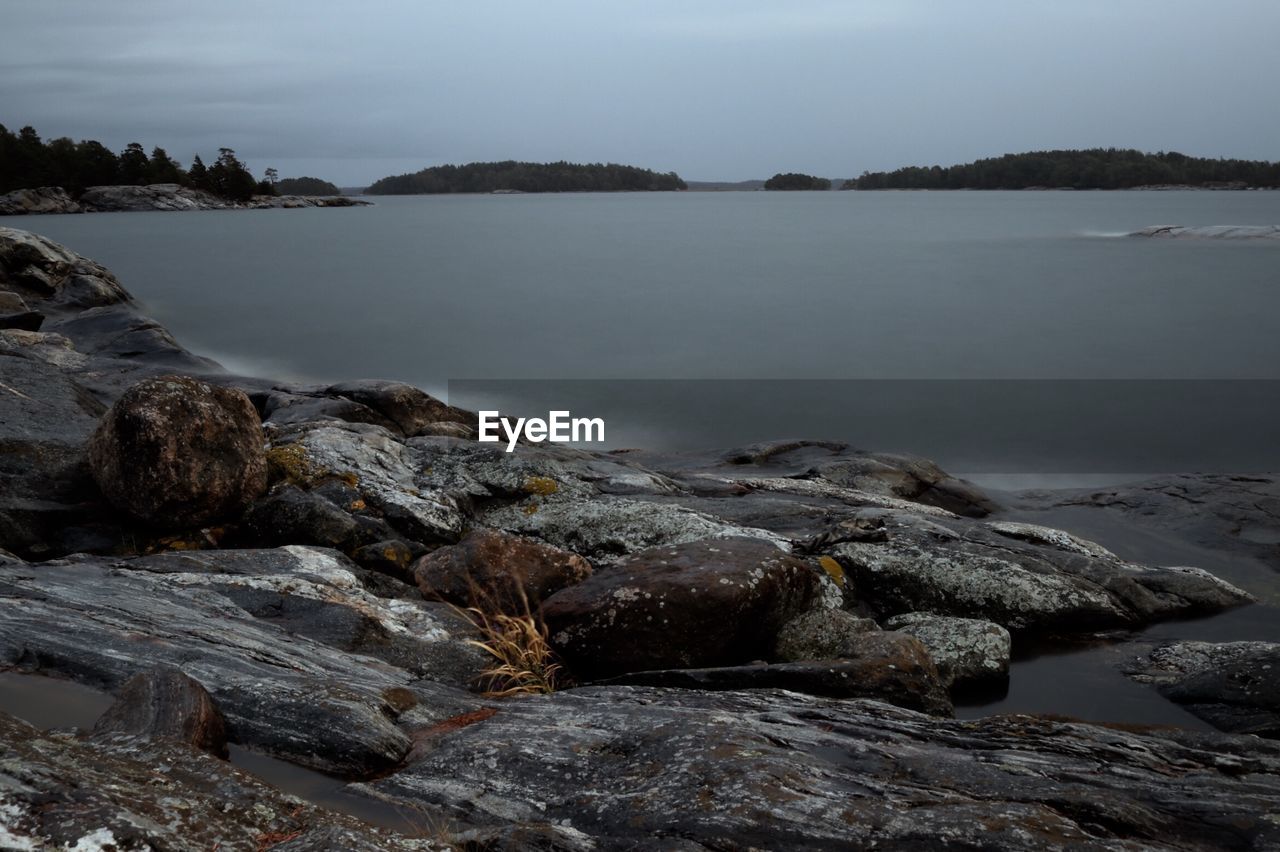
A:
(510, 176)
(793, 181)
(1095, 168)
(308, 186)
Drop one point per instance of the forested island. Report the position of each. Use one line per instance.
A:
(795, 181)
(513, 176)
(1095, 168)
(306, 186)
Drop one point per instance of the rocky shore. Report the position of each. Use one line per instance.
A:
(159, 196)
(755, 648)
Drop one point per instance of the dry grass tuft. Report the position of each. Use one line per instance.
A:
(523, 661)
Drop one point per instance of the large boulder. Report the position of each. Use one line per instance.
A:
(176, 451)
(498, 571)
(822, 633)
(713, 602)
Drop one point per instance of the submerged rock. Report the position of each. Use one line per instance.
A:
(706, 603)
(175, 451)
(1234, 686)
(965, 650)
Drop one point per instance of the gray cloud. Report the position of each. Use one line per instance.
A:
(721, 89)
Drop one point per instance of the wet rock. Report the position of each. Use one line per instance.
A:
(498, 572)
(908, 478)
(706, 603)
(23, 321)
(887, 666)
(391, 557)
(965, 650)
(903, 562)
(45, 199)
(175, 451)
(821, 634)
(134, 794)
(295, 653)
(165, 703)
(1234, 686)
(632, 767)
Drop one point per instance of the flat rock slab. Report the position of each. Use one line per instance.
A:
(1211, 232)
(645, 768)
(57, 792)
(1234, 686)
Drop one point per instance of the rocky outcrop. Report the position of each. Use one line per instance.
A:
(1234, 686)
(1022, 579)
(822, 633)
(45, 199)
(706, 603)
(159, 196)
(645, 768)
(130, 793)
(166, 704)
(1211, 232)
(965, 650)
(178, 452)
(498, 572)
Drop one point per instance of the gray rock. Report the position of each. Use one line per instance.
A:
(706, 603)
(902, 562)
(408, 409)
(631, 767)
(298, 657)
(164, 703)
(175, 451)
(45, 199)
(1234, 686)
(1211, 232)
(965, 650)
(135, 794)
(887, 666)
(821, 633)
(158, 196)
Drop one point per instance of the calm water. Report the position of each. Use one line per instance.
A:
(707, 285)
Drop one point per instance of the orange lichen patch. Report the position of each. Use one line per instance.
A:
(357, 505)
(455, 723)
(543, 486)
(833, 569)
(530, 508)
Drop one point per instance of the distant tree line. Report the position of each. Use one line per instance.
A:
(1095, 168)
(795, 180)
(27, 162)
(306, 186)
(527, 177)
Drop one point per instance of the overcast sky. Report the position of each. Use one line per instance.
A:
(713, 89)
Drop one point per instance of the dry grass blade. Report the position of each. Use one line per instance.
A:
(523, 661)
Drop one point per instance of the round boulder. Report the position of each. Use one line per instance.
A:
(964, 649)
(497, 571)
(175, 451)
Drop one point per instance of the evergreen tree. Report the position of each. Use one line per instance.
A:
(133, 165)
(198, 175)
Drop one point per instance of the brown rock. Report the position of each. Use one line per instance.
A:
(713, 602)
(407, 408)
(176, 451)
(497, 571)
(166, 704)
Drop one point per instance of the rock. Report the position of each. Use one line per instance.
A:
(887, 666)
(821, 634)
(46, 199)
(901, 562)
(158, 196)
(965, 650)
(1211, 232)
(498, 572)
(1234, 686)
(646, 768)
(133, 794)
(293, 516)
(298, 657)
(908, 478)
(176, 451)
(391, 557)
(165, 703)
(407, 408)
(704, 603)
(24, 321)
